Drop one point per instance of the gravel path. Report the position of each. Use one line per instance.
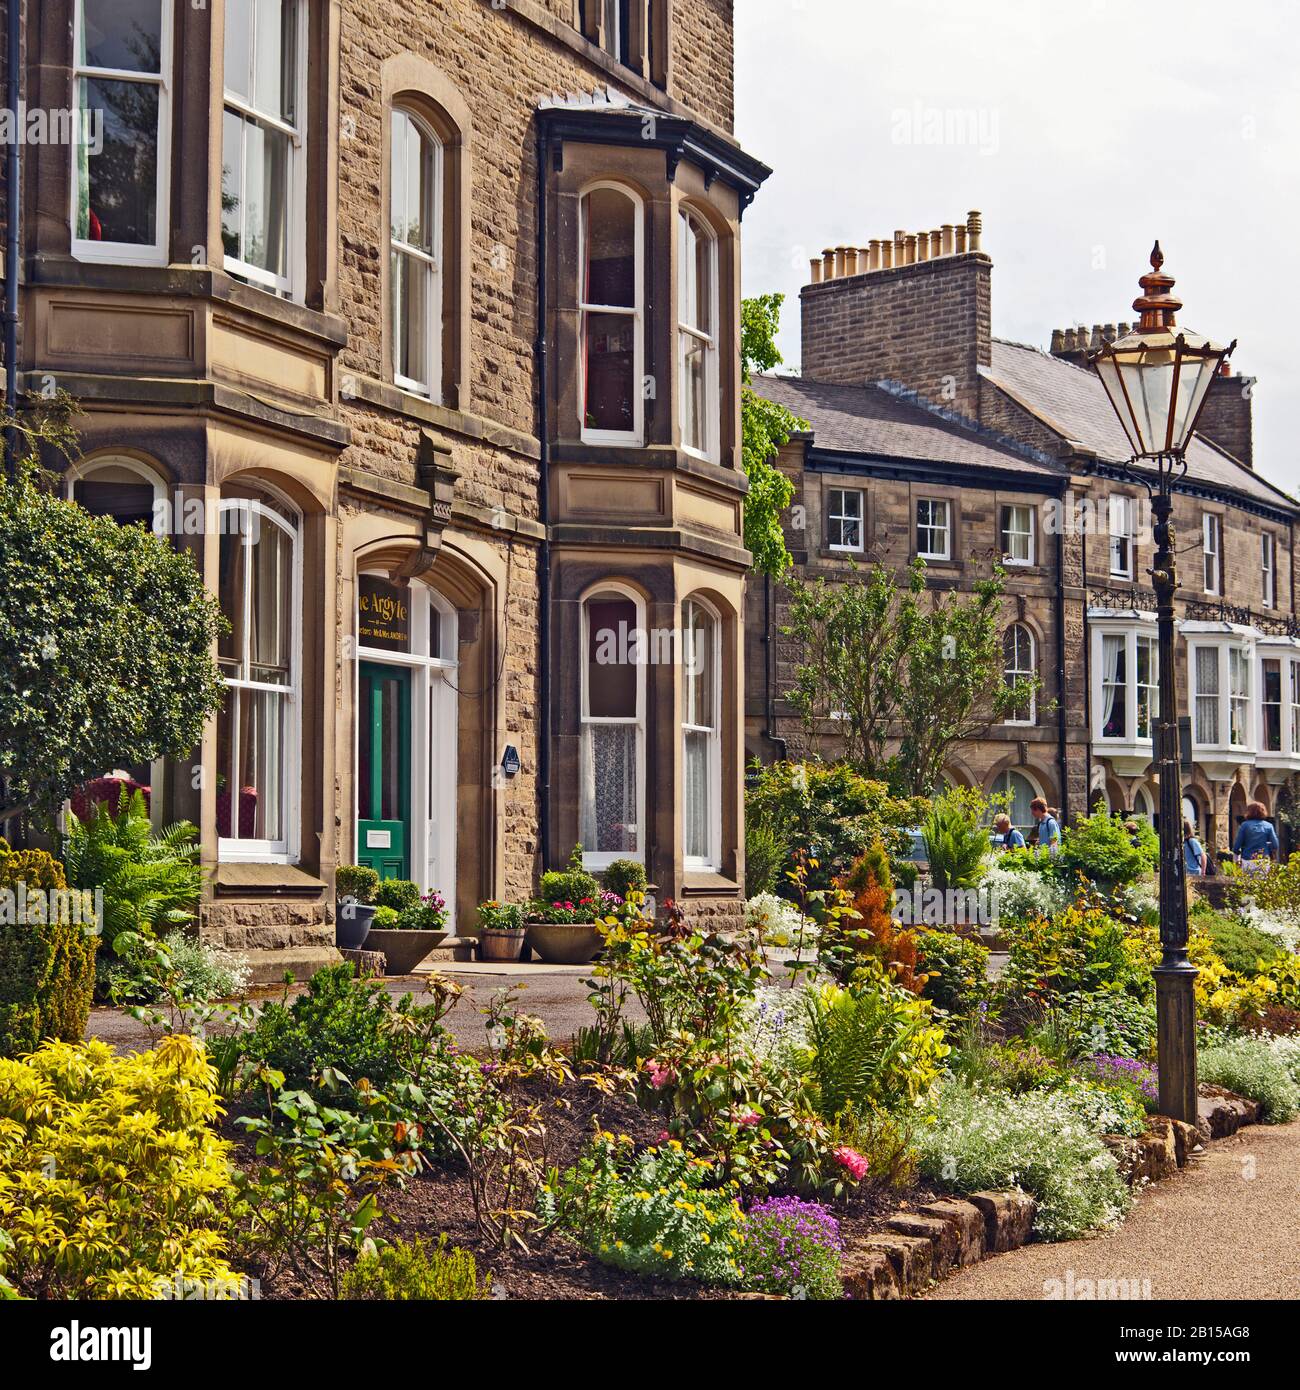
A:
(1227, 1227)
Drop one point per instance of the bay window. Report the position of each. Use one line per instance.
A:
(121, 146)
(1114, 685)
(844, 518)
(701, 741)
(259, 587)
(1271, 705)
(415, 280)
(1017, 529)
(263, 157)
(1148, 686)
(1278, 674)
(697, 336)
(1222, 679)
(1205, 676)
(611, 792)
(610, 304)
(933, 529)
(1125, 685)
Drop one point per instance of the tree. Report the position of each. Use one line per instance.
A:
(901, 675)
(106, 634)
(765, 428)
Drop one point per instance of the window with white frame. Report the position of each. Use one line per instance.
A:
(1205, 694)
(1125, 681)
(121, 146)
(933, 528)
(701, 740)
(1212, 552)
(1294, 664)
(697, 335)
(1268, 568)
(1147, 651)
(1238, 697)
(259, 586)
(415, 274)
(611, 792)
(1114, 685)
(610, 304)
(1018, 665)
(1271, 707)
(1121, 536)
(1017, 528)
(263, 155)
(1222, 684)
(844, 518)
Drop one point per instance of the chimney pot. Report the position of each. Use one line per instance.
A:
(961, 240)
(828, 263)
(947, 238)
(850, 260)
(874, 262)
(909, 242)
(816, 266)
(1058, 342)
(974, 229)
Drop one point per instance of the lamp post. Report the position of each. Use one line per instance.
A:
(1157, 378)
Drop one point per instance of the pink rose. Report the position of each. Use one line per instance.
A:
(852, 1161)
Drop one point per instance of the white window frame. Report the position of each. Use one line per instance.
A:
(291, 286)
(1223, 641)
(1268, 568)
(602, 859)
(1293, 697)
(634, 437)
(932, 503)
(431, 261)
(1005, 532)
(833, 517)
(1030, 670)
(686, 333)
(1130, 627)
(712, 862)
(1151, 685)
(121, 252)
(1121, 525)
(1267, 655)
(1286, 652)
(1212, 552)
(233, 849)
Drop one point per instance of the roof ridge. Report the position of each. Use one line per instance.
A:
(898, 391)
(1043, 352)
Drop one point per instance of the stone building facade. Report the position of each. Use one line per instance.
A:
(296, 291)
(923, 424)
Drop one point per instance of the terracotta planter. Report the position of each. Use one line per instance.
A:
(352, 924)
(563, 943)
(404, 950)
(500, 943)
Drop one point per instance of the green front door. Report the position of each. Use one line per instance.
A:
(384, 769)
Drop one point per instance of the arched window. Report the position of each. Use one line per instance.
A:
(1192, 814)
(701, 737)
(612, 797)
(1022, 792)
(697, 336)
(415, 276)
(1018, 665)
(259, 586)
(1143, 805)
(120, 487)
(610, 302)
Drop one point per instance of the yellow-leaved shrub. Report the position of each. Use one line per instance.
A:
(113, 1183)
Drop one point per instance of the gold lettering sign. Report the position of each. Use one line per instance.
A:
(383, 614)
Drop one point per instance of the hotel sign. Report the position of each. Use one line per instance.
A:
(383, 614)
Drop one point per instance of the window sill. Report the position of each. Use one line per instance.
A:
(265, 880)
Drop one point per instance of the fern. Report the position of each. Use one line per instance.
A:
(955, 845)
(151, 883)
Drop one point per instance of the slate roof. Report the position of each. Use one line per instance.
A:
(1071, 401)
(873, 421)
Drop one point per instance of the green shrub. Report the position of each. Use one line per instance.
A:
(385, 919)
(766, 853)
(47, 968)
(957, 967)
(1040, 1142)
(624, 876)
(151, 883)
(1241, 947)
(1100, 847)
(569, 885)
(357, 881)
(416, 1270)
(502, 916)
(1252, 1068)
(205, 973)
(956, 844)
(397, 893)
(115, 1182)
(654, 1212)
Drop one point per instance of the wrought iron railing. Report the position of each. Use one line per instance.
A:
(1197, 609)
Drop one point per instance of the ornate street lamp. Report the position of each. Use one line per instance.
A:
(1157, 378)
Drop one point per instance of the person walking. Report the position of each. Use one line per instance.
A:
(1194, 856)
(1256, 845)
(1006, 836)
(1049, 828)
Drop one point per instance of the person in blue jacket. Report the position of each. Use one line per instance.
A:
(1256, 845)
(1049, 828)
(1005, 835)
(1193, 851)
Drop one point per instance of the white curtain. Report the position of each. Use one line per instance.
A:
(1207, 695)
(1113, 694)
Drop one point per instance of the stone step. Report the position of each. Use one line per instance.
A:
(269, 965)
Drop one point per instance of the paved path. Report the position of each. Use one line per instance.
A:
(1227, 1227)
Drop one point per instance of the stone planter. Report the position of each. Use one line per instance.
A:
(404, 950)
(352, 924)
(564, 943)
(500, 943)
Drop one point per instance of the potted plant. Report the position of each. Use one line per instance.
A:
(355, 886)
(407, 934)
(562, 918)
(500, 931)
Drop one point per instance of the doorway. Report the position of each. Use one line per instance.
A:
(384, 769)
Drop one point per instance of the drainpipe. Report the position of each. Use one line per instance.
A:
(544, 508)
(1060, 667)
(13, 217)
(769, 667)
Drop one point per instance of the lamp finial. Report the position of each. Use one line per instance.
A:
(1156, 305)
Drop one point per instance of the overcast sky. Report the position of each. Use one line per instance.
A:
(1097, 126)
